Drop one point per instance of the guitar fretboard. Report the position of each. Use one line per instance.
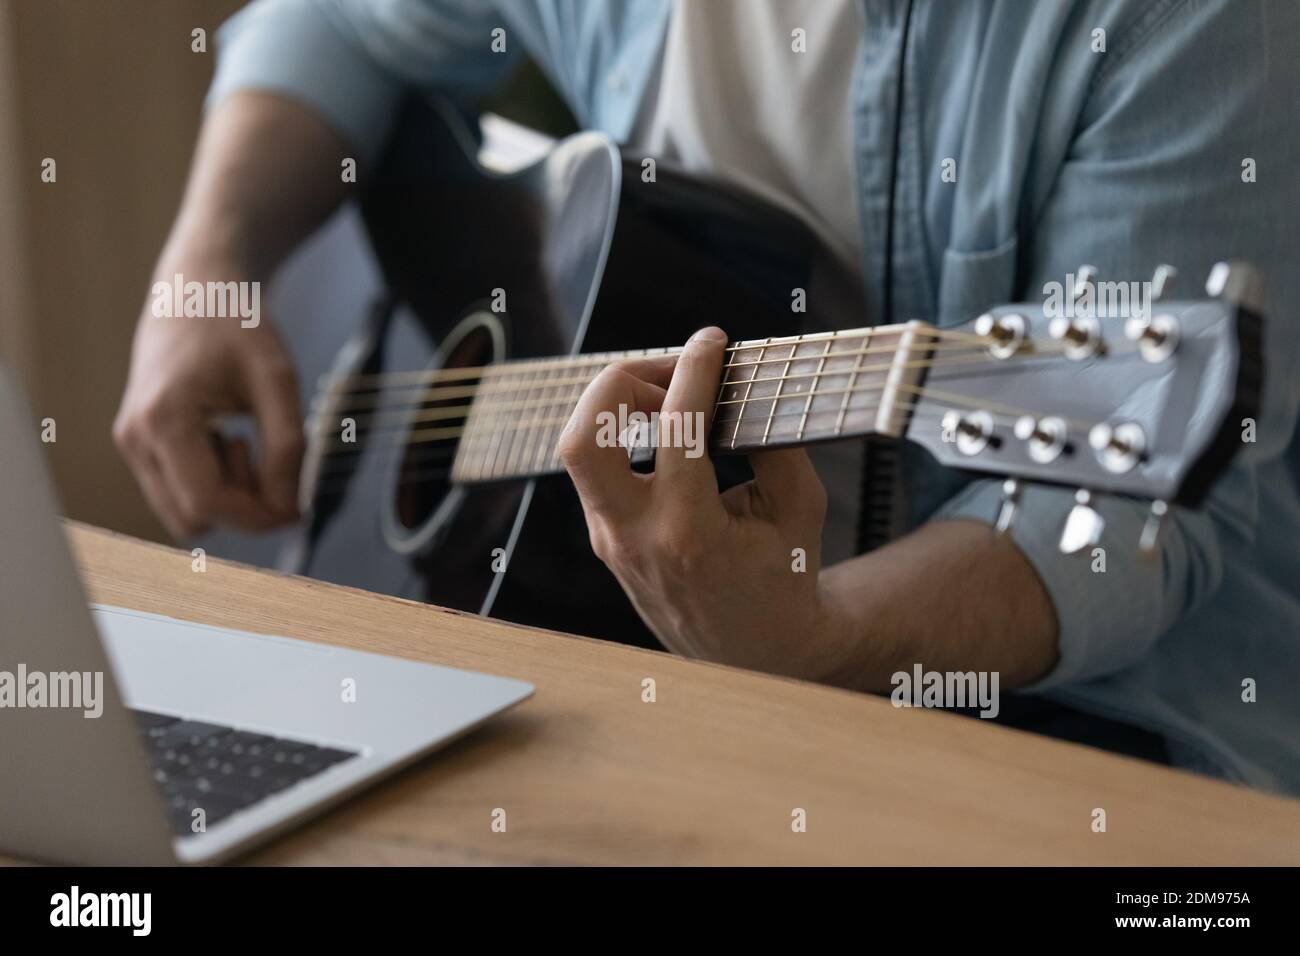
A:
(777, 392)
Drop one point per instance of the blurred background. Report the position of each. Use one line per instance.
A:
(113, 92)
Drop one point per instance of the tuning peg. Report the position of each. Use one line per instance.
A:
(1081, 335)
(1120, 447)
(1084, 276)
(1161, 280)
(1083, 525)
(1153, 529)
(1007, 332)
(1239, 283)
(972, 432)
(1156, 336)
(1046, 439)
(1009, 506)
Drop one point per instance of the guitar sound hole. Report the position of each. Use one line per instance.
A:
(433, 434)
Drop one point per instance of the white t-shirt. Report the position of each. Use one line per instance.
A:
(736, 101)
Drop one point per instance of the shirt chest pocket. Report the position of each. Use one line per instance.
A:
(972, 282)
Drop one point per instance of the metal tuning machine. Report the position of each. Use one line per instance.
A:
(1009, 506)
(1153, 530)
(1156, 333)
(1007, 334)
(1083, 525)
(1081, 335)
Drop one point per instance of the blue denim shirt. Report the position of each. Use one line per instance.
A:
(1124, 158)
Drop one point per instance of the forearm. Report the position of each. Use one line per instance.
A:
(266, 172)
(951, 596)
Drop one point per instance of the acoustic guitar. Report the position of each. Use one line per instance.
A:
(432, 470)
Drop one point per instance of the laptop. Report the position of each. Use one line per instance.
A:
(130, 738)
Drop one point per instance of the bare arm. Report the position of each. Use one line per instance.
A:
(266, 172)
(981, 607)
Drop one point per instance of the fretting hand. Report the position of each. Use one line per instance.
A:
(730, 577)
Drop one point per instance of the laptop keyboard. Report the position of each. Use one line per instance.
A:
(223, 770)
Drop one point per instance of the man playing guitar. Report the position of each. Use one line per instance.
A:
(952, 156)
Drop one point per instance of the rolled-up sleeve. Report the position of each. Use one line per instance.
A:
(1155, 174)
(351, 60)
(1111, 604)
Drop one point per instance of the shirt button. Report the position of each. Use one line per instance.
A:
(618, 81)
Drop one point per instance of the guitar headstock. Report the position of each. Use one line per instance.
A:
(1144, 399)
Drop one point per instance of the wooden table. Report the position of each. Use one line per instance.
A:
(709, 773)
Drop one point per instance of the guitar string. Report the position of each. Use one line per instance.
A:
(518, 378)
(1010, 413)
(535, 424)
(383, 379)
(444, 433)
(337, 478)
(398, 413)
(493, 411)
(515, 376)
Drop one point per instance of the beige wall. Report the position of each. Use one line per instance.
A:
(111, 90)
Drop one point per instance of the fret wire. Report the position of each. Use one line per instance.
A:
(722, 388)
(771, 412)
(462, 456)
(572, 406)
(568, 403)
(486, 419)
(478, 437)
(727, 381)
(916, 363)
(848, 392)
(532, 450)
(500, 439)
(535, 459)
(497, 420)
(749, 387)
(812, 391)
(481, 435)
(463, 462)
(517, 447)
(545, 450)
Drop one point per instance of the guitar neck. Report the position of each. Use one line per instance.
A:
(773, 393)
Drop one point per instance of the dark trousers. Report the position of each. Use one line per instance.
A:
(1042, 716)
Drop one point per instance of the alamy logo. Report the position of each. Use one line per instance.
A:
(1104, 300)
(72, 690)
(74, 908)
(922, 688)
(208, 300)
(635, 429)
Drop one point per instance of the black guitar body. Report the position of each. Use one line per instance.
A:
(578, 253)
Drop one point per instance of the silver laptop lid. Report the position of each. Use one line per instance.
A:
(74, 784)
